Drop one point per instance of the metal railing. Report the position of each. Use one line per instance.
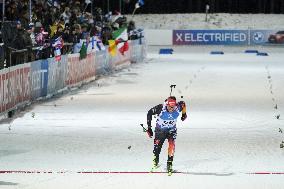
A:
(10, 56)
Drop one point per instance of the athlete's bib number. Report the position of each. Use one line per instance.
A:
(168, 123)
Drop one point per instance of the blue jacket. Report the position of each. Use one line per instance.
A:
(165, 118)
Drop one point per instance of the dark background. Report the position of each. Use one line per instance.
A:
(194, 6)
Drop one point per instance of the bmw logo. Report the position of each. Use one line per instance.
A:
(258, 37)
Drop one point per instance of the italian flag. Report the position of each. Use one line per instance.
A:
(121, 38)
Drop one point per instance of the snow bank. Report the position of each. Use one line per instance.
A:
(215, 21)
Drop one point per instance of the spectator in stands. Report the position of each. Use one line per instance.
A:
(61, 23)
(95, 30)
(66, 15)
(131, 30)
(39, 11)
(22, 39)
(55, 13)
(18, 25)
(78, 16)
(73, 17)
(67, 35)
(53, 28)
(98, 15)
(76, 33)
(89, 18)
(106, 34)
(47, 21)
(53, 17)
(59, 32)
(42, 41)
(24, 17)
(31, 31)
(12, 12)
(41, 37)
(84, 30)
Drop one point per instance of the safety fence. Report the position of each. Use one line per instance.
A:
(11, 57)
(24, 83)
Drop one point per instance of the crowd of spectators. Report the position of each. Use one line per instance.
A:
(72, 20)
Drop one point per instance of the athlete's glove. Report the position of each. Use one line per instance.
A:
(150, 132)
(183, 117)
(182, 104)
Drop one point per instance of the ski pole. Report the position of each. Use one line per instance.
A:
(145, 130)
(172, 86)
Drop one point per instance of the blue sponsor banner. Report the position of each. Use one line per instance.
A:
(35, 79)
(44, 68)
(39, 78)
(56, 74)
(262, 37)
(210, 37)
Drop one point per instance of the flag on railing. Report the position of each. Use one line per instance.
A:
(97, 44)
(112, 47)
(121, 39)
(139, 4)
(58, 44)
(83, 51)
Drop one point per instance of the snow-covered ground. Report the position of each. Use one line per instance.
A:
(215, 21)
(73, 141)
(231, 129)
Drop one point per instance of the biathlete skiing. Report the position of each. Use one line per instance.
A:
(167, 115)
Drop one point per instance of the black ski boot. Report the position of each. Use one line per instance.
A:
(170, 165)
(155, 163)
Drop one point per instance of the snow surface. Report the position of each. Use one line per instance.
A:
(215, 21)
(231, 128)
